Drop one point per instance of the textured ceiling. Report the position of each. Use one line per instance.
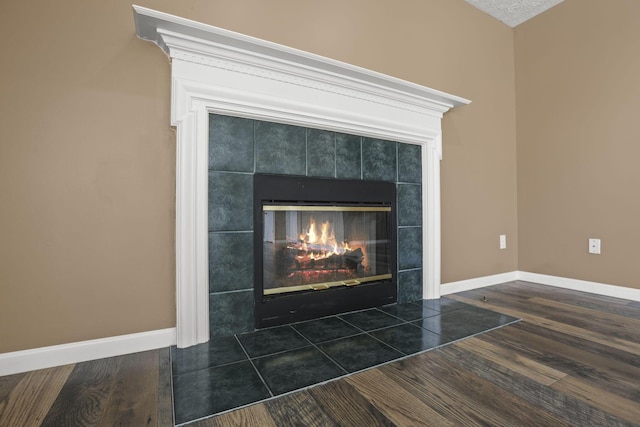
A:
(513, 12)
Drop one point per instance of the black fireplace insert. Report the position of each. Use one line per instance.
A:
(322, 246)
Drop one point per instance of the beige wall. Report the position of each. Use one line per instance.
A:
(86, 176)
(578, 129)
(87, 155)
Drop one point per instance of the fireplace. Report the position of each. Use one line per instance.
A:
(218, 71)
(322, 246)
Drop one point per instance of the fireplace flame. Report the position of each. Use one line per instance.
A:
(315, 250)
(323, 244)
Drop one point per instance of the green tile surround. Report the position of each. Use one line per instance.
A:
(280, 148)
(240, 147)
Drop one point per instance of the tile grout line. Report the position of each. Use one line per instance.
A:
(322, 352)
(254, 366)
(210, 367)
(275, 353)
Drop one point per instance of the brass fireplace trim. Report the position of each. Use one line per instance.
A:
(327, 208)
(326, 285)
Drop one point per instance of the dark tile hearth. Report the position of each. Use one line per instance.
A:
(368, 320)
(201, 393)
(448, 329)
(295, 369)
(360, 352)
(217, 352)
(234, 371)
(409, 338)
(326, 329)
(409, 311)
(272, 340)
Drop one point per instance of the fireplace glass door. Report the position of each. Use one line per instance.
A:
(317, 247)
(322, 246)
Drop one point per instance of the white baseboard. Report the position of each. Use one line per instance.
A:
(581, 285)
(543, 279)
(478, 282)
(64, 354)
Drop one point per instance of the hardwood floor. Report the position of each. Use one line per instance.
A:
(131, 390)
(574, 359)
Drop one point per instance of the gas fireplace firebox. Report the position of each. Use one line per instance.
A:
(322, 246)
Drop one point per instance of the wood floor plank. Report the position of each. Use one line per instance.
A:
(165, 396)
(134, 397)
(613, 356)
(32, 397)
(566, 406)
(595, 396)
(548, 347)
(346, 406)
(531, 289)
(7, 384)
(491, 296)
(562, 293)
(437, 378)
(601, 303)
(600, 338)
(539, 372)
(254, 415)
(606, 323)
(298, 409)
(611, 325)
(447, 404)
(395, 402)
(84, 397)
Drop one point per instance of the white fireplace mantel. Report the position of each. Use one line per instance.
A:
(219, 71)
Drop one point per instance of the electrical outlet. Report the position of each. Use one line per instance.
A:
(594, 246)
(503, 241)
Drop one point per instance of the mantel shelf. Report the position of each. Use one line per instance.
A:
(156, 26)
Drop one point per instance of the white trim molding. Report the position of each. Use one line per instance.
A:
(542, 279)
(218, 71)
(478, 282)
(581, 285)
(64, 354)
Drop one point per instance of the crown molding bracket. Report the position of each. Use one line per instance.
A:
(218, 71)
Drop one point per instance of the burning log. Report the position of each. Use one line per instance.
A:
(300, 260)
(354, 259)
